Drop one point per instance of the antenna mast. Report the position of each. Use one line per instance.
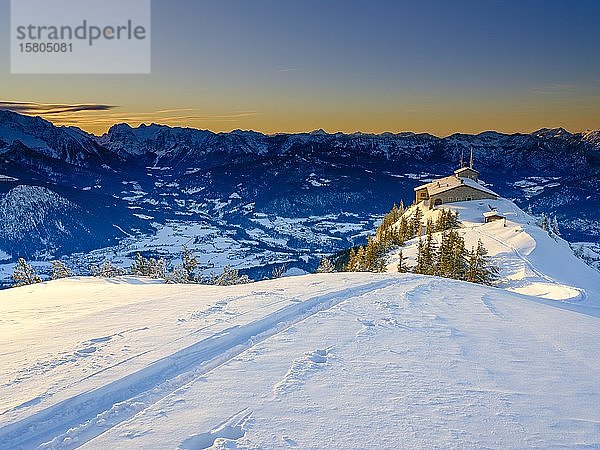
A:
(471, 160)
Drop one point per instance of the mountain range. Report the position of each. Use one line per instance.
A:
(256, 200)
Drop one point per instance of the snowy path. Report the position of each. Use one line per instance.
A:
(546, 286)
(90, 413)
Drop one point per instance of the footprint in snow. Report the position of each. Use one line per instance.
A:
(289, 441)
(222, 435)
(367, 329)
(302, 368)
(86, 351)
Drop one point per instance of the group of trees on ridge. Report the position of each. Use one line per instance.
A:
(450, 258)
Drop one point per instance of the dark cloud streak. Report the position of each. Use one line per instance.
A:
(31, 108)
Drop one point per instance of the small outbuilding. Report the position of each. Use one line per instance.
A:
(492, 216)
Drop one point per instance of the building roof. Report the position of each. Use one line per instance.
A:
(492, 214)
(452, 182)
(464, 169)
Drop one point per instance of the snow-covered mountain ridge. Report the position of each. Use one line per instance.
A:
(259, 201)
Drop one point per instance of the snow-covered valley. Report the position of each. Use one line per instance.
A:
(251, 200)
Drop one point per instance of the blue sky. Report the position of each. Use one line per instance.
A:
(435, 66)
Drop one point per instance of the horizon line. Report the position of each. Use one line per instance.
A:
(320, 130)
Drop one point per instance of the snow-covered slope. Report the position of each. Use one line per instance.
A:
(318, 361)
(531, 261)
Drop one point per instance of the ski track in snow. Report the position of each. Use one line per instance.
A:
(80, 418)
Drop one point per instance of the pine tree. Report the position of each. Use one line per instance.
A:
(351, 266)
(458, 260)
(445, 255)
(229, 277)
(429, 253)
(189, 263)
(159, 268)
(440, 224)
(152, 268)
(554, 226)
(579, 251)
(430, 227)
(360, 260)
(416, 222)
(183, 273)
(404, 231)
(278, 271)
(106, 270)
(420, 266)
(24, 274)
(379, 266)
(60, 270)
(140, 266)
(544, 225)
(178, 276)
(387, 234)
(326, 266)
(480, 270)
(447, 220)
(402, 267)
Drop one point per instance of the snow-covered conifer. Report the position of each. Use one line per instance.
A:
(229, 277)
(402, 267)
(106, 270)
(24, 274)
(60, 270)
(326, 266)
(278, 271)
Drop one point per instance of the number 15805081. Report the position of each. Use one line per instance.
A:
(45, 47)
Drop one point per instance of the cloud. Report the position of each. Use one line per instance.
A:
(43, 109)
(556, 88)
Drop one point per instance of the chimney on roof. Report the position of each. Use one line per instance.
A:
(471, 160)
(462, 158)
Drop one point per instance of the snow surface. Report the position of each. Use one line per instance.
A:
(316, 361)
(345, 360)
